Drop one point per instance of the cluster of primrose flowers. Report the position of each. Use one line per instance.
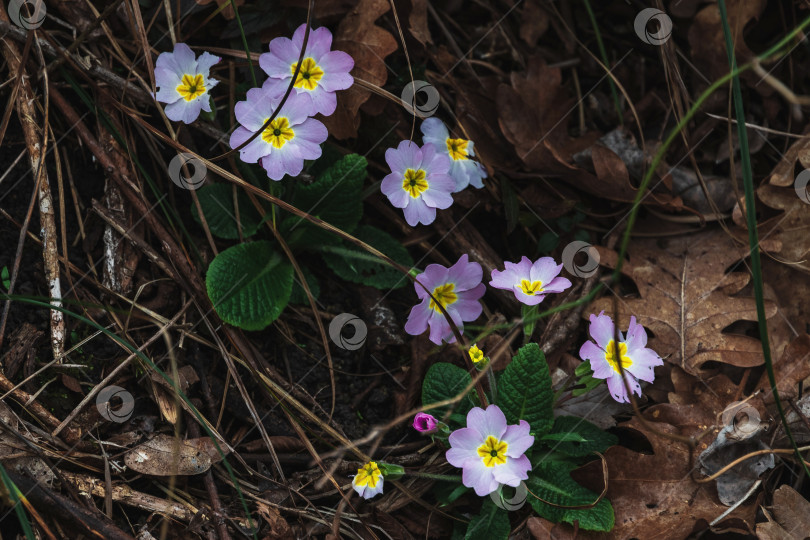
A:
(490, 452)
(422, 180)
(293, 135)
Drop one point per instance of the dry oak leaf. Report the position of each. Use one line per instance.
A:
(654, 495)
(697, 405)
(368, 45)
(789, 370)
(791, 517)
(789, 232)
(533, 113)
(708, 43)
(685, 299)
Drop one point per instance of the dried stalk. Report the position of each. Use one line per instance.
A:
(123, 494)
(34, 136)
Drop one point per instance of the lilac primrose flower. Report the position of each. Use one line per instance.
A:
(290, 138)
(530, 282)
(322, 71)
(425, 423)
(457, 289)
(183, 82)
(418, 182)
(465, 171)
(490, 452)
(637, 360)
(368, 481)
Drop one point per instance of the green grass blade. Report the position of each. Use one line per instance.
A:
(751, 222)
(603, 54)
(244, 43)
(16, 497)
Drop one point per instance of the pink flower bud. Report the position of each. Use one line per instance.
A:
(424, 423)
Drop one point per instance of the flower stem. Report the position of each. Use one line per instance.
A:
(529, 321)
(445, 477)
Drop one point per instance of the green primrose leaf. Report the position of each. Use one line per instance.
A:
(249, 284)
(216, 201)
(552, 482)
(355, 264)
(445, 381)
(591, 438)
(524, 390)
(492, 523)
(563, 437)
(335, 197)
(298, 295)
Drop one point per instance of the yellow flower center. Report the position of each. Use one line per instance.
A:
(444, 295)
(414, 182)
(368, 475)
(610, 356)
(278, 132)
(309, 75)
(191, 86)
(493, 452)
(457, 148)
(531, 287)
(476, 354)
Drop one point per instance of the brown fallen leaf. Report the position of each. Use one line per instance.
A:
(165, 394)
(790, 369)
(543, 529)
(706, 35)
(534, 21)
(279, 528)
(533, 112)
(368, 45)
(654, 495)
(784, 172)
(685, 299)
(418, 22)
(791, 519)
(698, 404)
(164, 455)
(788, 232)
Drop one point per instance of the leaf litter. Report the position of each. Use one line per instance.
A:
(562, 166)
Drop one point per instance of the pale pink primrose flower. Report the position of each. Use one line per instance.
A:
(183, 83)
(322, 72)
(457, 289)
(530, 281)
(489, 451)
(418, 183)
(290, 138)
(636, 359)
(464, 170)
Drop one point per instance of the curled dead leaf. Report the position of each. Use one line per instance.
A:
(784, 172)
(164, 455)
